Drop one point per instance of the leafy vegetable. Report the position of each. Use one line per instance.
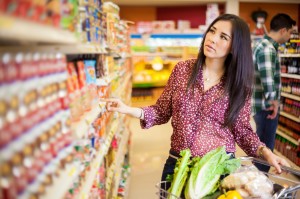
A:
(180, 174)
(205, 174)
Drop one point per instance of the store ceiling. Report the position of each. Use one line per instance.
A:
(189, 2)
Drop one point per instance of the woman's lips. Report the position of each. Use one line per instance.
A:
(210, 47)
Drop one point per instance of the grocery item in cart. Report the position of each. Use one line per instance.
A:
(200, 177)
(260, 185)
(249, 182)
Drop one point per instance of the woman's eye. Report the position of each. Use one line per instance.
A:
(211, 30)
(223, 37)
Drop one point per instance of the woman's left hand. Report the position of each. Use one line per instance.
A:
(275, 160)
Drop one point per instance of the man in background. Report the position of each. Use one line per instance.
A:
(266, 93)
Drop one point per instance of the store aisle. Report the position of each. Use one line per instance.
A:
(149, 151)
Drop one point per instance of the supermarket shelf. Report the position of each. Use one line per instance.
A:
(289, 132)
(83, 5)
(119, 90)
(65, 178)
(120, 160)
(288, 160)
(290, 75)
(15, 29)
(80, 128)
(169, 35)
(282, 134)
(97, 162)
(123, 55)
(126, 188)
(59, 48)
(104, 81)
(292, 117)
(19, 143)
(146, 54)
(289, 55)
(291, 96)
(110, 177)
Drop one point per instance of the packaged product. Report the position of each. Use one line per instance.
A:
(8, 189)
(89, 66)
(69, 10)
(53, 16)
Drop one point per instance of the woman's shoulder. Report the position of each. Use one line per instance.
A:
(185, 65)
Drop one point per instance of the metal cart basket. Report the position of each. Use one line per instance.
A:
(284, 188)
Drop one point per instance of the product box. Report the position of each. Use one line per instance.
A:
(90, 72)
(163, 26)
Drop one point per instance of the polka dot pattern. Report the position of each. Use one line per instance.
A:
(197, 117)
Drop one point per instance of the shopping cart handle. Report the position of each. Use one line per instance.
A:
(257, 160)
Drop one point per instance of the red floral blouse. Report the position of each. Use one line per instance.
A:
(197, 118)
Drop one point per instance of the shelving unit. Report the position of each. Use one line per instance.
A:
(24, 36)
(119, 161)
(81, 127)
(290, 75)
(65, 178)
(282, 134)
(97, 162)
(291, 96)
(75, 48)
(290, 116)
(13, 29)
(285, 139)
(289, 55)
(290, 162)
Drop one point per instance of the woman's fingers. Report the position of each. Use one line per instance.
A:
(112, 106)
(277, 167)
(278, 162)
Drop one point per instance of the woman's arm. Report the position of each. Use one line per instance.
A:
(116, 105)
(248, 140)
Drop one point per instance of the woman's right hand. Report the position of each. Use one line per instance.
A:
(116, 105)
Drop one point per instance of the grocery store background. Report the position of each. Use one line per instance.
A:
(58, 58)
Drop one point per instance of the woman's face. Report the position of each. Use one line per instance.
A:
(218, 40)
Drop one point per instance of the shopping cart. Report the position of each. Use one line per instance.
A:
(283, 187)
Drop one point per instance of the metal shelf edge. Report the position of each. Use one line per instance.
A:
(296, 119)
(294, 76)
(291, 96)
(17, 29)
(282, 134)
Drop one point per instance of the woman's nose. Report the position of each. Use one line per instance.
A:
(212, 39)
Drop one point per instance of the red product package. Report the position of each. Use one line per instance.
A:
(10, 68)
(3, 5)
(72, 82)
(81, 74)
(17, 8)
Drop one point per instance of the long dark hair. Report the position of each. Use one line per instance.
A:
(238, 67)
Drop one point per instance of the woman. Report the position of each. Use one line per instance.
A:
(209, 98)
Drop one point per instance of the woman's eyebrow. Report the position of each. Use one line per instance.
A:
(226, 35)
(214, 28)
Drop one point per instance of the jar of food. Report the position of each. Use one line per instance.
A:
(8, 188)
